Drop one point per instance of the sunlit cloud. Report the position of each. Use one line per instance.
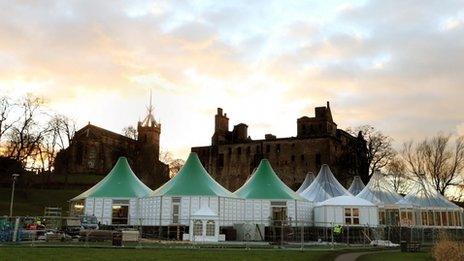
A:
(395, 65)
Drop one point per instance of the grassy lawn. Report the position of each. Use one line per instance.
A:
(397, 256)
(30, 253)
(33, 201)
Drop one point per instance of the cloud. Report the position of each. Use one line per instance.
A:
(395, 65)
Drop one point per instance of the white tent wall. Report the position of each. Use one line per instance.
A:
(149, 211)
(134, 212)
(259, 210)
(327, 216)
(305, 212)
(229, 210)
(101, 208)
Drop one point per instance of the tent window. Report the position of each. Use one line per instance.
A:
(437, 219)
(210, 227)
(424, 218)
(382, 217)
(356, 216)
(451, 218)
(444, 218)
(197, 228)
(458, 218)
(175, 210)
(352, 216)
(430, 218)
(120, 215)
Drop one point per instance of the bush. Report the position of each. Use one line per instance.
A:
(448, 250)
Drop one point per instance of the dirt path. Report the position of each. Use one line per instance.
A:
(356, 255)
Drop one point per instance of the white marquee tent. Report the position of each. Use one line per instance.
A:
(324, 186)
(380, 191)
(113, 200)
(432, 208)
(356, 186)
(345, 211)
(307, 181)
(192, 188)
(268, 198)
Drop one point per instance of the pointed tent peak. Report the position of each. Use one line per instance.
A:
(324, 186)
(265, 184)
(356, 186)
(192, 180)
(423, 194)
(307, 181)
(121, 182)
(379, 191)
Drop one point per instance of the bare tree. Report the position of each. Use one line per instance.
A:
(6, 107)
(441, 162)
(174, 164)
(398, 174)
(26, 135)
(130, 132)
(58, 134)
(379, 147)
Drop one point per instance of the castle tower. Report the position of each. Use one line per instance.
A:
(221, 127)
(321, 125)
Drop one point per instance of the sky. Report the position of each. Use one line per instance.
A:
(396, 65)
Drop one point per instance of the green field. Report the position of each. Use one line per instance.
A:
(33, 201)
(397, 256)
(30, 253)
(82, 253)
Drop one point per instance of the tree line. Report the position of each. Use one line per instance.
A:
(31, 133)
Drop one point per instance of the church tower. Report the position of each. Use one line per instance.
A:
(149, 131)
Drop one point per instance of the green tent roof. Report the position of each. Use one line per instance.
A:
(265, 184)
(121, 182)
(192, 180)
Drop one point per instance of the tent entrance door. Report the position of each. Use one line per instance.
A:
(278, 212)
(120, 212)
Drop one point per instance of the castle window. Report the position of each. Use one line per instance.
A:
(293, 158)
(302, 157)
(258, 149)
(230, 151)
(318, 159)
(239, 151)
(278, 148)
(248, 150)
(221, 161)
(268, 148)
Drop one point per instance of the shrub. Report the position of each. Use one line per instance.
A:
(448, 250)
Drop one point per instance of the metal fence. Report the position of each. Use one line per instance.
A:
(246, 233)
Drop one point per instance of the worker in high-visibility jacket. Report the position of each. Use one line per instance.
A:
(337, 232)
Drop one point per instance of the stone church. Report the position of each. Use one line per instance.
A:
(94, 150)
(233, 155)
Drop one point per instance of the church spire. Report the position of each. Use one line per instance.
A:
(149, 120)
